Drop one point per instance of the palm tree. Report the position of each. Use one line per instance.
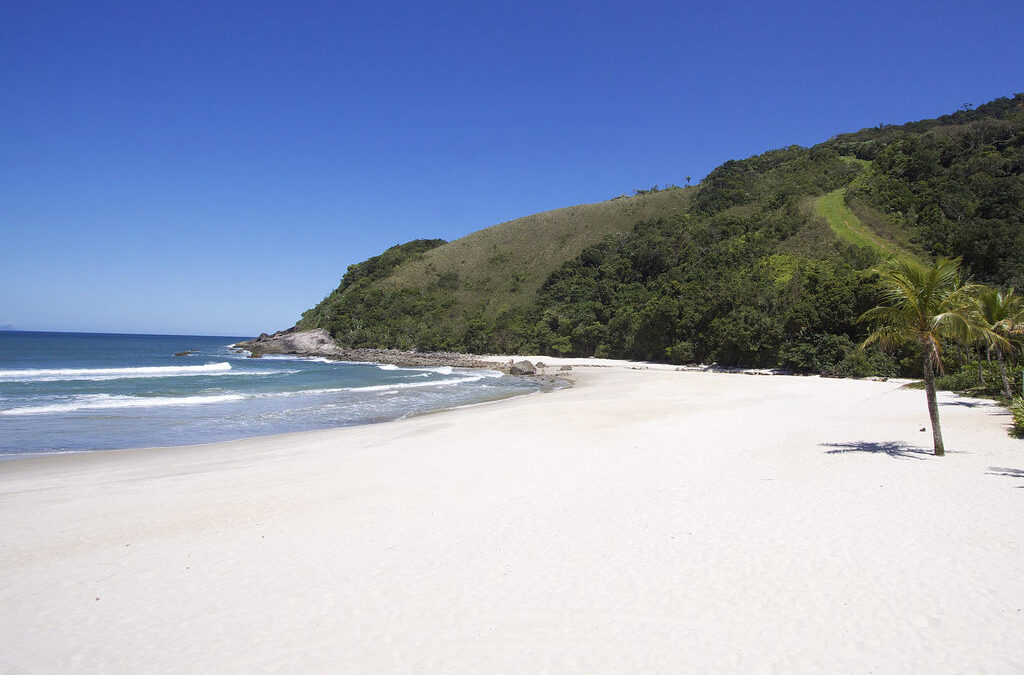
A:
(1001, 314)
(923, 305)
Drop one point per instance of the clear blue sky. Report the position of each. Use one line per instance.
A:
(185, 167)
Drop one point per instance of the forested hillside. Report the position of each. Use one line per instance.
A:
(766, 263)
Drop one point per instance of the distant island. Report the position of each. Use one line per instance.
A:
(766, 263)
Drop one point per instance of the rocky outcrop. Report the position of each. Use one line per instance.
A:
(304, 343)
(318, 342)
(522, 368)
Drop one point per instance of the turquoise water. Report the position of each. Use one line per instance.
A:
(62, 392)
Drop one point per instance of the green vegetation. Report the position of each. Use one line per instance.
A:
(1002, 315)
(846, 225)
(1017, 410)
(360, 277)
(956, 184)
(924, 306)
(504, 266)
(768, 262)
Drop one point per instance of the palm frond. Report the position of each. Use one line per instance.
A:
(885, 314)
(888, 337)
(925, 304)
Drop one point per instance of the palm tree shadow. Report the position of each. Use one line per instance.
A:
(1006, 471)
(965, 404)
(895, 449)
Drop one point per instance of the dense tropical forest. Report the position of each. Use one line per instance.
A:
(768, 262)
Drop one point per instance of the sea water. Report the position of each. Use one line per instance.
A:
(71, 392)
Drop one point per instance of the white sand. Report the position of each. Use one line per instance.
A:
(643, 521)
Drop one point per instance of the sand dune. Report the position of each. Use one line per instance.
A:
(642, 521)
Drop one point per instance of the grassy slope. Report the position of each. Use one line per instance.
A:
(505, 265)
(847, 226)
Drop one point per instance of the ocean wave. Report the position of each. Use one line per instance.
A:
(60, 374)
(373, 388)
(296, 357)
(441, 370)
(112, 402)
(416, 385)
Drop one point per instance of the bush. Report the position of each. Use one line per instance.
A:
(1017, 410)
(965, 380)
(680, 352)
(867, 363)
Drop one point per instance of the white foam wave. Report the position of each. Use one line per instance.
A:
(416, 385)
(443, 370)
(296, 357)
(448, 370)
(60, 374)
(373, 388)
(111, 402)
(440, 370)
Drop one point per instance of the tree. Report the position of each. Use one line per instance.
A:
(924, 305)
(1001, 314)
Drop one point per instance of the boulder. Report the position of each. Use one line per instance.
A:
(522, 368)
(565, 368)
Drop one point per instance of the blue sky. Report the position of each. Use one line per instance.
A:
(184, 167)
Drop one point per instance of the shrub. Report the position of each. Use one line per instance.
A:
(965, 379)
(681, 352)
(867, 363)
(1017, 410)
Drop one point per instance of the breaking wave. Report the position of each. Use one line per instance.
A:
(61, 374)
(111, 402)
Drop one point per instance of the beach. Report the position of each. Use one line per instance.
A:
(644, 520)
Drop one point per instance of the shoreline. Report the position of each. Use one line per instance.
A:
(644, 520)
(87, 415)
(555, 380)
(26, 457)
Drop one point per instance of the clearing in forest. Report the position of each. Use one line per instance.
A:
(847, 226)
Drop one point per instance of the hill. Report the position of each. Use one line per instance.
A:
(485, 273)
(765, 263)
(504, 266)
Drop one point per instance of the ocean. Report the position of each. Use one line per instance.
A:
(75, 392)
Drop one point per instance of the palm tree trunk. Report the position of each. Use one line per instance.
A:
(1002, 371)
(933, 403)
